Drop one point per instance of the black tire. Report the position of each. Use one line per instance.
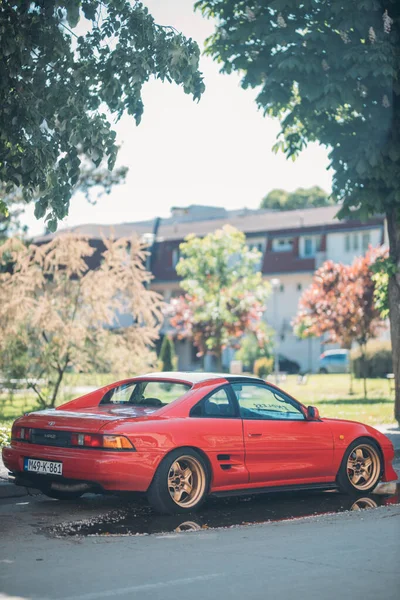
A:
(61, 495)
(346, 475)
(160, 493)
(323, 371)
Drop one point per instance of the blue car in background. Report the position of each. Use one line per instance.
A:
(334, 361)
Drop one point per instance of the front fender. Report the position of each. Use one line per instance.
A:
(346, 432)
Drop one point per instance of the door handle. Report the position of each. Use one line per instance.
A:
(254, 434)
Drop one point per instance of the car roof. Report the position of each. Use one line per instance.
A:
(338, 351)
(196, 377)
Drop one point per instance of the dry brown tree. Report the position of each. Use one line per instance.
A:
(63, 316)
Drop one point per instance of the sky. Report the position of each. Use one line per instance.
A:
(215, 152)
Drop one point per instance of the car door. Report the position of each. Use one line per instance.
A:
(281, 445)
(334, 364)
(216, 426)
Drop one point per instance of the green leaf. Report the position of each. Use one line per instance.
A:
(52, 225)
(72, 13)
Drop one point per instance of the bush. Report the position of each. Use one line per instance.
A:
(263, 367)
(252, 348)
(378, 360)
(5, 435)
(167, 354)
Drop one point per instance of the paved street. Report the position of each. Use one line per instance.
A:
(316, 546)
(354, 554)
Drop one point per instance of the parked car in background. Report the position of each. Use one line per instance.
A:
(334, 361)
(286, 365)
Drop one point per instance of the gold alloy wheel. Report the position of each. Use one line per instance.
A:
(186, 481)
(363, 467)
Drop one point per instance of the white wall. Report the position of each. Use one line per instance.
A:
(336, 244)
(281, 309)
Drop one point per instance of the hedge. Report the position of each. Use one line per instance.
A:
(378, 360)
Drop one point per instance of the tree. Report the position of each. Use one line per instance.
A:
(225, 294)
(64, 316)
(301, 198)
(341, 303)
(167, 354)
(60, 85)
(91, 179)
(254, 345)
(330, 72)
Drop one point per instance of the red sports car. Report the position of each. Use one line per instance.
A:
(179, 437)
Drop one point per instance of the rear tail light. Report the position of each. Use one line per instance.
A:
(322, 355)
(21, 433)
(108, 442)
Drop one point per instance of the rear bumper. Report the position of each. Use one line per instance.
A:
(106, 470)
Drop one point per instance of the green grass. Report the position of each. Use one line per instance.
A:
(330, 393)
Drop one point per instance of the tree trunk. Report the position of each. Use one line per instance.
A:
(364, 369)
(56, 389)
(218, 360)
(393, 224)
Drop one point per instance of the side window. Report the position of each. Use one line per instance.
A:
(217, 405)
(262, 402)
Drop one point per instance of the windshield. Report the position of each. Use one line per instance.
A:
(145, 393)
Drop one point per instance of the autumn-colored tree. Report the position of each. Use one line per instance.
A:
(225, 294)
(65, 316)
(341, 304)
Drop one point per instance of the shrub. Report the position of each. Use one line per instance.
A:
(5, 435)
(378, 360)
(263, 367)
(167, 354)
(254, 346)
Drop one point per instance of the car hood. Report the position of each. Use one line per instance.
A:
(87, 420)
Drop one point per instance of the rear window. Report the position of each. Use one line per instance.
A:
(145, 393)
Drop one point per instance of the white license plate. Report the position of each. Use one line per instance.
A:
(45, 467)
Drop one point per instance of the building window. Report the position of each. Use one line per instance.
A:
(347, 243)
(299, 287)
(308, 247)
(366, 240)
(175, 257)
(282, 245)
(281, 288)
(259, 247)
(356, 244)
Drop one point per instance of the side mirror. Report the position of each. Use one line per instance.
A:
(312, 413)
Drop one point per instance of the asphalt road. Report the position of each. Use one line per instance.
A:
(352, 554)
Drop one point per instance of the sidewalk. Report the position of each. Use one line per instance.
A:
(393, 433)
(9, 490)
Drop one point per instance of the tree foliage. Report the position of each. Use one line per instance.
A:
(340, 303)
(67, 67)
(330, 71)
(254, 345)
(64, 316)
(225, 294)
(279, 199)
(167, 354)
(93, 182)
